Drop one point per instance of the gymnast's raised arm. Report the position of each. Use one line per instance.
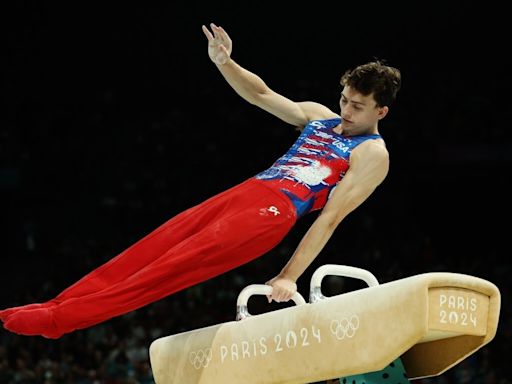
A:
(253, 89)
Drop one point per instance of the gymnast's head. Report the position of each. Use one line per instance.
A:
(374, 78)
(368, 91)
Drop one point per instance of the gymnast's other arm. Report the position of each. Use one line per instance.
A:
(369, 164)
(254, 90)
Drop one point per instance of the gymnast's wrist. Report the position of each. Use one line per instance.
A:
(288, 276)
(225, 63)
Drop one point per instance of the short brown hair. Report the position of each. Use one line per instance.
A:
(374, 77)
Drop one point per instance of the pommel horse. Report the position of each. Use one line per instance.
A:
(429, 322)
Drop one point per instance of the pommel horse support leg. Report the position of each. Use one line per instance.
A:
(430, 321)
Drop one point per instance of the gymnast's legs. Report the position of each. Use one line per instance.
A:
(135, 257)
(225, 231)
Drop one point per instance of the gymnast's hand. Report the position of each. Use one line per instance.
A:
(219, 44)
(283, 289)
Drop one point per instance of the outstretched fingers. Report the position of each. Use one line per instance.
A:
(208, 34)
(215, 30)
(219, 34)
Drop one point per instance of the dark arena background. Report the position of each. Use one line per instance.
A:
(115, 119)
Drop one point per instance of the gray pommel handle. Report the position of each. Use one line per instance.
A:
(315, 291)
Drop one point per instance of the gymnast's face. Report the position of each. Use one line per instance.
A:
(360, 114)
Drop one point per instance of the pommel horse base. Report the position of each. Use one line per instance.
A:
(430, 321)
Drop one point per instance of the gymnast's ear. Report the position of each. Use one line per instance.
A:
(382, 112)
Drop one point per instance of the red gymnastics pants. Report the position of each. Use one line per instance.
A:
(224, 232)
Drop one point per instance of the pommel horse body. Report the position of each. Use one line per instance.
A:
(430, 322)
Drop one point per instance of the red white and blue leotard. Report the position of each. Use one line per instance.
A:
(312, 167)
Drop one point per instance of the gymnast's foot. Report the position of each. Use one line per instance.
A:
(33, 322)
(9, 311)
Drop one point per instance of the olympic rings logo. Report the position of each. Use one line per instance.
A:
(200, 358)
(345, 327)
